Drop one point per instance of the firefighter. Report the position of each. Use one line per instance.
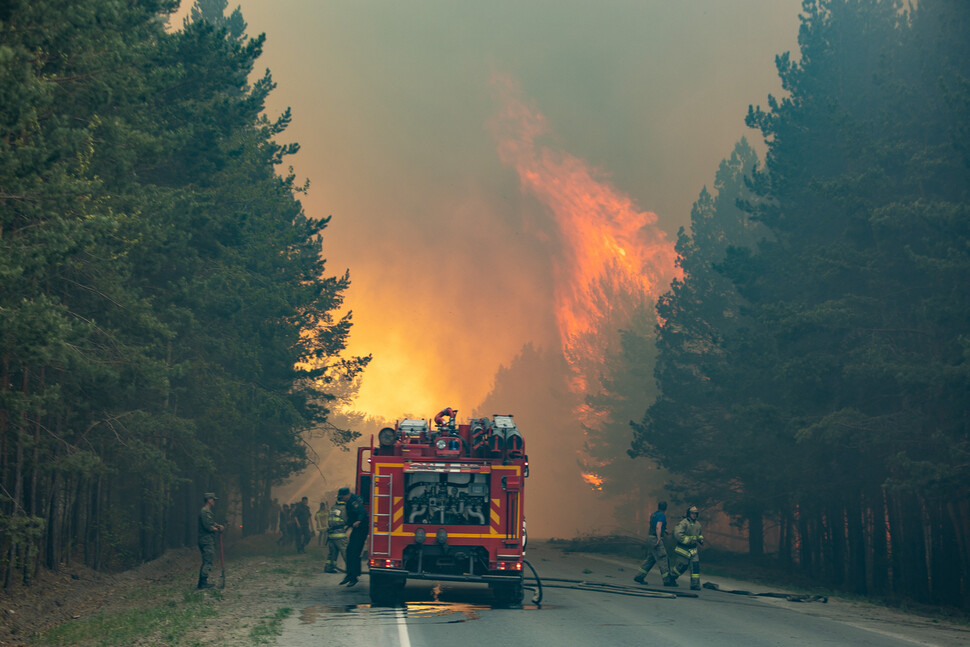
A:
(358, 524)
(336, 525)
(207, 538)
(320, 520)
(689, 539)
(656, 551)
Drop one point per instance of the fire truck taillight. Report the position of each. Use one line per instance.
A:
(419, 536)
(510, 566)
(385, 563)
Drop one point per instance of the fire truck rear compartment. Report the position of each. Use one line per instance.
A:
(445, 560)
(446, 498)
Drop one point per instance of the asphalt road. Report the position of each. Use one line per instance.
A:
(615, 612)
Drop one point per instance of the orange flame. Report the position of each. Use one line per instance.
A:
(610, 248)
(594, 480)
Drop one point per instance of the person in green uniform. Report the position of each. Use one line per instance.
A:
(304, 524)
(207, 538)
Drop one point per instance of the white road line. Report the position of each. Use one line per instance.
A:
(402, 629)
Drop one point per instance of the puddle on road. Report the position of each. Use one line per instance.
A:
(432, 612)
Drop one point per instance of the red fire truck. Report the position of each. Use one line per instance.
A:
(446, 503)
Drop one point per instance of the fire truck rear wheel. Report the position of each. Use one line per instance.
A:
(386, 591)
(508, 595)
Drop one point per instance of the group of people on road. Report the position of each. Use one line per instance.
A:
(344, 525)
(688, 538)
(296, 523)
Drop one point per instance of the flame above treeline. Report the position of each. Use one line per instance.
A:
(612, 255)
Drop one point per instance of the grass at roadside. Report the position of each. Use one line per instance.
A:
(165, 613)
(269, 627)
(162, 608)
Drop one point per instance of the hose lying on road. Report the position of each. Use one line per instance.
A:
(537, 598)
(615, 589)
(791, 597)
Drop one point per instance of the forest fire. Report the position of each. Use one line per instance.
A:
(593, 480)
(612, 256)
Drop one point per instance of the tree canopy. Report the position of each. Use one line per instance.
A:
(167, 324)
(817, 374)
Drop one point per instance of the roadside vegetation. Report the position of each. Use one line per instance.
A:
(157, 605)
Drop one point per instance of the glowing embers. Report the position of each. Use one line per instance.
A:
(594, 480)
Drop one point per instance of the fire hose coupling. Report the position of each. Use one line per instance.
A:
(419, 536)
(441, 536)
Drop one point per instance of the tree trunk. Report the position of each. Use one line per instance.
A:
(756, 534)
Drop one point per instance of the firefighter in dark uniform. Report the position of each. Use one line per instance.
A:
(207, 538)
(358, 523)
(689, 539)
(656, 551)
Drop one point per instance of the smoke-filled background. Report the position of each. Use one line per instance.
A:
(506, 181)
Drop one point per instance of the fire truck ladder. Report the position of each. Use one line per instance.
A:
(382, 500)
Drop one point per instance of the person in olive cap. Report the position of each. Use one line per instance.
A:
(207, 538)
(358, 523)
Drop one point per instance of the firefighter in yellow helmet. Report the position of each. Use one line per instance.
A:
(689, 538)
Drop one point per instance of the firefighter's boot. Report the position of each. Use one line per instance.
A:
(640, 578)
(695, 576)
(670, 580)
(204, 583)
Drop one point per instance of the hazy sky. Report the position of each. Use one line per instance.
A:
(453, 258)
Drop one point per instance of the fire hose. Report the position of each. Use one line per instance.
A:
(600, 587)
(537, 598)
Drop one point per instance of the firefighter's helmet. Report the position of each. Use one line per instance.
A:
(691, 509)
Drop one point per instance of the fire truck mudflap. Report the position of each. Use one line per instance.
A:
(446, 503)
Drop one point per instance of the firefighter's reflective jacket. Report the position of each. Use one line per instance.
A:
(337, 521)
(688, 535)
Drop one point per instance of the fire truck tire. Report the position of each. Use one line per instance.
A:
(386, 591)
(508, 595)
